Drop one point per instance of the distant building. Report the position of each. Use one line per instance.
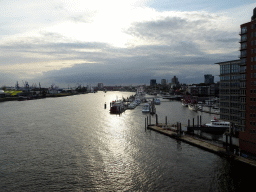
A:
(100, 85)
(175, 81)
(208, 79)
(163, 82)
(152, 82)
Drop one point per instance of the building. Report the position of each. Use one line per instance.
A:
(229, 93)
(100, 85)
(175, 81)
(202, 90)
(208, 79)
(152, 82)
(163, 82)
(247, 137)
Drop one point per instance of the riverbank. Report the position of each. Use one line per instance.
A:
(37, 97)
(170, 131)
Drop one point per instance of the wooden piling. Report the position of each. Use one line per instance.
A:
(156, 119)
(165, 120)
(193, 122)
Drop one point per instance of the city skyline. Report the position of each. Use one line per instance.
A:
(117, 43)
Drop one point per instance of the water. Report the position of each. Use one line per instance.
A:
(74, 144)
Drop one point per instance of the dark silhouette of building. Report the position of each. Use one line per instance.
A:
(152, 82)
(208, 79)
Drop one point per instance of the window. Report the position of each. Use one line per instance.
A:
(251, 43)
(252, 35)
(251, 59)
(251, 51)
(251, 67)
(252, 26)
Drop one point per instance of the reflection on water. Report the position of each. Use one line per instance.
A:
(73, 143)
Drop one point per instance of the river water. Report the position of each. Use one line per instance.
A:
(74, 144)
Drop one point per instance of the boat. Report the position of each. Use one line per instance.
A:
(193, 107)
(218, 123)
(137, 101)
(184, 104)
(157, 101)
(216, 127)
(132, 105)
(117, 107)
(146, 108)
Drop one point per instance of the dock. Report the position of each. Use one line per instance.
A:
(173, 132)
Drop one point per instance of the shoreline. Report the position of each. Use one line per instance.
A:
(5, 99)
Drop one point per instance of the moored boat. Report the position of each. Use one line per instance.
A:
(157, 101)
(146, 108)
(117, 107)
(192, 107)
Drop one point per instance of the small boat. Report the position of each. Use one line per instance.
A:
(157, 101)
(132, 105)
(146, 108)
(184, 104)
(137, 101)
(193, 107)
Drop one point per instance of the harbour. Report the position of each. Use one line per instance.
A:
(74, 143)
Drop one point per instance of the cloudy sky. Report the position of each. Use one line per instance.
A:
(117, 42)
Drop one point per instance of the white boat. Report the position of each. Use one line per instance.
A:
(184, 104)
(157, 101)
(193, 107)
(146, 108)
(132, 106)
(218, 124)
(137, 101)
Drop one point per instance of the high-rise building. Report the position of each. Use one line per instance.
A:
(152, 82)
(175, 80)
(163, 82)
(247, 137)
(208, 79)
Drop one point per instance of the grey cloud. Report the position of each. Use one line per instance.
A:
(176, 52)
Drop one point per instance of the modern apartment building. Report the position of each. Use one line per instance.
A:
(230, 93)
(247, 137)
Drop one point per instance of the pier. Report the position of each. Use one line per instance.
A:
(174, 131)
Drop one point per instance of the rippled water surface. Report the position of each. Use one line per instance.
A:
(74, 144)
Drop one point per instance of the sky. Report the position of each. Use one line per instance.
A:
(117, 42)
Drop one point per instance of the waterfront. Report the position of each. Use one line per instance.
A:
(74, 144)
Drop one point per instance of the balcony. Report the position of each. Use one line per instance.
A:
(242, 55)
(243, 32)
(243, 63)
